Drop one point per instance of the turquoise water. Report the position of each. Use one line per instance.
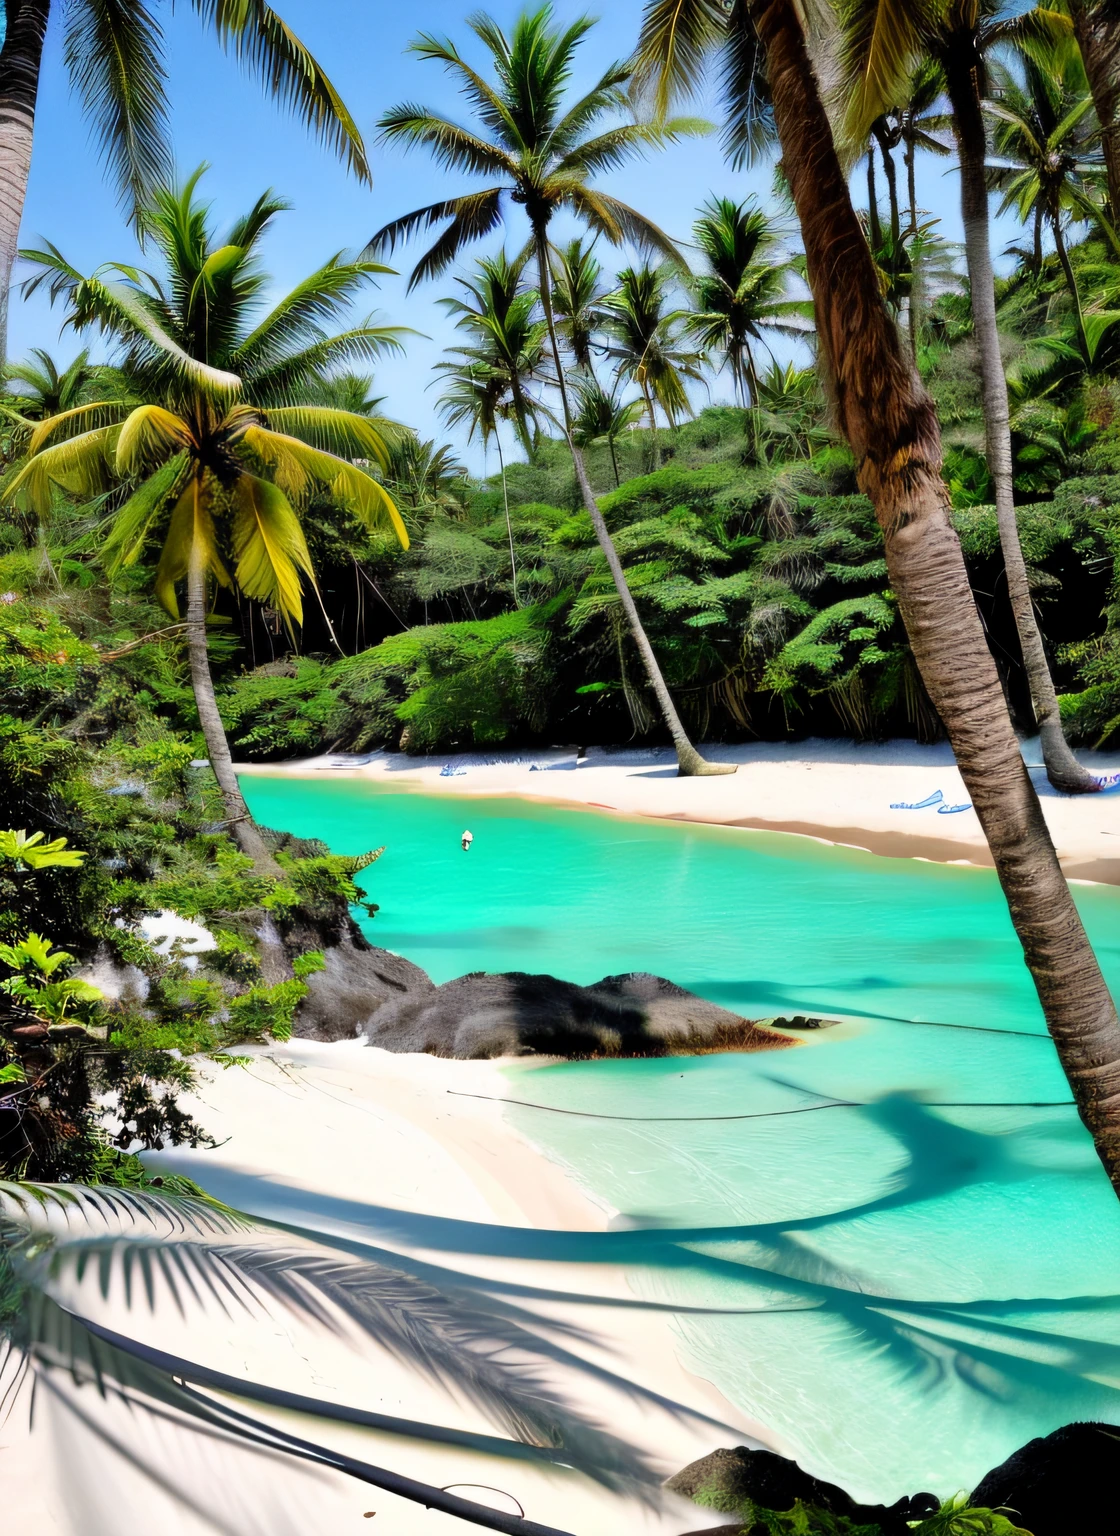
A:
(904, 1289)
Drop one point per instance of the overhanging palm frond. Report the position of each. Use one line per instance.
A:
(295, 465)
(191, 535)
(618, 222)
(261, 40)
(296, 319)
(613, 148)
(337, 431)
(749, 129)
(82, 465)
(452, 146)
(114, 53)
(882, 43)
(676, 37)
(134, 523)
(269, 548)
(297, 373)
(79, 418)
(149, 436)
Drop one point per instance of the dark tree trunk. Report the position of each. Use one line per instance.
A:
(893, 429)
(689, 761)
(1062, 768)
(244, 829)
(509, 525)
(20, 59)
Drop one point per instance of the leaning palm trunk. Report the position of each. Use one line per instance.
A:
(1097, 30)
(689, 761)
(892, 426)
(1062, 768)
(509, 525)
(20, 58)
(240, 823)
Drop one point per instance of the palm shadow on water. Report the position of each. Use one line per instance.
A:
(996, 1346)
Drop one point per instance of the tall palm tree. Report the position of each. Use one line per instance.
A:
(577, 289)
(541, 155)
(1096, 26)
(220, 454)
(488, 380)
(153, 1248)
(892, 426)
(645, 337)
(884, 43)
(114, 55)
(1045, 141)
(601, 417)
(740, 296)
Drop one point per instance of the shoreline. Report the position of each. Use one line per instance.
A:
(837, 792)
(359, 1148)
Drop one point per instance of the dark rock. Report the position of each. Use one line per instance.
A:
(800, 1021)
(518, 1014)
(729, 1481)
(357, 981)
(1059, 1483)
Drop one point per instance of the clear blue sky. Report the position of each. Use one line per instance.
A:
(225, 119)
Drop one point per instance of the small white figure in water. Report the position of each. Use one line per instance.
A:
(468, 839)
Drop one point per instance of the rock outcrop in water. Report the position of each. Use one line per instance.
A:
(1060, 1483)
(515, 1014)
(730, 1481)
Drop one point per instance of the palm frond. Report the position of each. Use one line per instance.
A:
(134, 522)
(882, 42)
(82, 465)
(294, 465)
(269, 547)
(114, 53)
(749, 130)
(611, 149)
(452, 146)
(261, 40)
(617, 222)
(294, 374)
(97, 413)
(296, 320)
(191, 535)
(151, 434)
(336, 431)
(675, 39)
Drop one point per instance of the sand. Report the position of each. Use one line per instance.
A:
(836, 791)
(412, 1155)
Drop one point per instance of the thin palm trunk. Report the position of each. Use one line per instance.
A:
(892, 426)
(910, 155)
(20, 59)
(509, 525)
(240, 823)
(874, 227)
(1071, 283)
(892, 189)
(1097, 30)
(912, 195)
(689, 761)
(654, 440)
(614, 460)
(1037, 244)
(1062, 768)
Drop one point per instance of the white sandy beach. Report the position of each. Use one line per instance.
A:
(370, 1148)
(837, 791)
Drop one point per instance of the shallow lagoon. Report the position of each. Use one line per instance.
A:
(904, 1288)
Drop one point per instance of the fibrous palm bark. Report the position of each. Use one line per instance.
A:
(892, 426)
(19, 84)
(1062, 768)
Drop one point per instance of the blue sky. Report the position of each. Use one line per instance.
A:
(225, 119)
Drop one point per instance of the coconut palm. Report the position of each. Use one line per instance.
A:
(488, 380)
(601, 417)
(219, 454)
(892, 427)
(740, 296)
(576, 291)
(541, 154)
(114, 55)
(63, 1249)
(1046, 142)
(884, 43)
(922, 125)
(645, 337)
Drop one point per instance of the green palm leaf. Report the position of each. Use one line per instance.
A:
(82, 465)
(133, 523)
(676, 37)
(269, 547)
(192, 535)
(337, 431)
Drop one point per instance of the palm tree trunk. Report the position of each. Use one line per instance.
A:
(910, 154)
(874, 228)
(1097, 30)
(614, 460)
(892, 426)
(892, 190)
(689, 762)
(912, 299)
(245, 830)
(1037, 248)
(654, 441)
(20, 59)
(1062, 768)
(509, 525)
(1071, 284)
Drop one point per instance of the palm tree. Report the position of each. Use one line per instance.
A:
(892, 427)
(601, 417)
(114, 55)
(542, 157)
(644, 337)
(1096, 26)
(149, 1245)
(1044, 140)
(740, 295)
(576, 291)
(488, 380)
(883, 46)
(219, 454)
